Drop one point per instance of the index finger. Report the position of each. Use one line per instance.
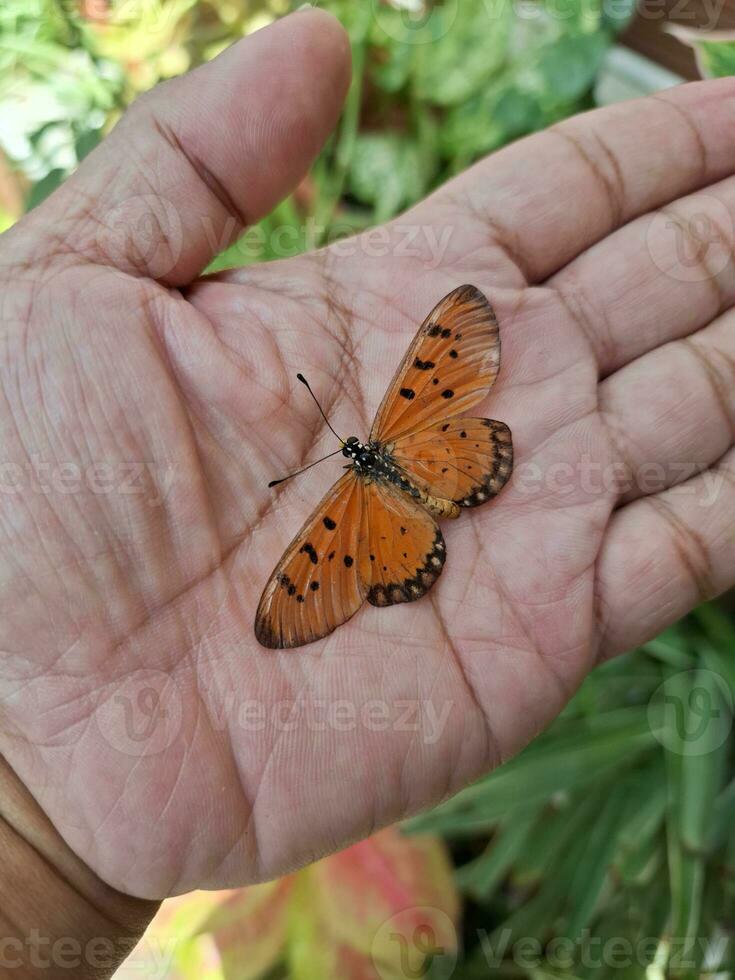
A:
(548, 197)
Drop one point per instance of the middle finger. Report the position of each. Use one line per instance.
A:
(659, 278)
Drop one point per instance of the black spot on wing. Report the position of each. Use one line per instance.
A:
(408, 393)
(423, 365)
(447, 393)
(329, 524)
(348, 560)
(310, 550)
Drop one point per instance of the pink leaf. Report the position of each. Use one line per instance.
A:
(388, 898)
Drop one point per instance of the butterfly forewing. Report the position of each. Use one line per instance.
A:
(464, 460)
(451, 364)
(316, 586)
(404, 549)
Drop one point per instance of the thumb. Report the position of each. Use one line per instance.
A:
(199, 157)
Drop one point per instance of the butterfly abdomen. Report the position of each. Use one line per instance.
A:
(440, 508)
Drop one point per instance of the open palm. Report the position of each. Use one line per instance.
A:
(144, 413)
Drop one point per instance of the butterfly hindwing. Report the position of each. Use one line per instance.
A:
(404, 549)
(316, 586)
(464, 460)
(451, 364)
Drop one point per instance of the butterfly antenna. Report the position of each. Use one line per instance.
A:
(303, 381)
(275, 483)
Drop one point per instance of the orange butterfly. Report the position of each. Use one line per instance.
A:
(375, 535)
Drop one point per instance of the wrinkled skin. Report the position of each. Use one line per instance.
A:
(135, 702)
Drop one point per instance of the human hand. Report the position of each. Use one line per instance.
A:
(169, 749)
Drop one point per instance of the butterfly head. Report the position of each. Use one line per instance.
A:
(360, 454)
(352, 448)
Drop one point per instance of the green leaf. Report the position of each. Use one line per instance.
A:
(723, 816)
(540, 913)
(388, 172)
(715, 55)
(392, 58)
(638, 839)
(566, 69)
(595, 861)
(716, 58)
(482, 876)
(702, 772)
(671, 647)
(581, 752)
(46, 186)
(560, 821)
(464, 46)
(694, 768)
(86, 141)
(490, 120)
(719, 653)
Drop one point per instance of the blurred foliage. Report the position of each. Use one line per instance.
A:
(351, 916)
(714, 50)
(55, 92)
(606, 848)
(433, 89)
(435, 86)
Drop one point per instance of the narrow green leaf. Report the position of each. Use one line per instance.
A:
(595, 861)
(586, 749)
(723, 817)
(482, 876)
(690, 788)
(671, 648)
